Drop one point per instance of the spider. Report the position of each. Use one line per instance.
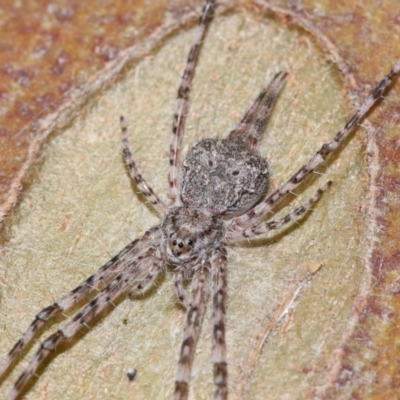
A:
(219, 196)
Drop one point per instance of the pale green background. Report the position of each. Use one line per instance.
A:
(82, 185)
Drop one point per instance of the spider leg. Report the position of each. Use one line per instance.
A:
(219, 284)
(178, 286)
(200, 292)
(117, 287)
(142, 185)
(149, 277)
(295, 215)
(182, 101)
(259, 110)
(180, 273)
(319, 157)
(94, 282)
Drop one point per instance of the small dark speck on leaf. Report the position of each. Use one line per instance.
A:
(131, 374)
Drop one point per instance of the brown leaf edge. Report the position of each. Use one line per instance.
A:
(75, 100)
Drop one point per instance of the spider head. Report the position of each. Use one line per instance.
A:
(189, 233)
(180, 247)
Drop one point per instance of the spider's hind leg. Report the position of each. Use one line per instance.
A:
(182, 101)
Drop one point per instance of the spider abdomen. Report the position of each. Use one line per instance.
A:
(224, 177)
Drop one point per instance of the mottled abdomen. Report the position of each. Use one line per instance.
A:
(225, 177)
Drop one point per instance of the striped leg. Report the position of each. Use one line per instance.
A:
(182, 102)
(150, 274)
(142, 185)
(273, 199)
(178, 287)
(259, 110)
(219, 284)
(180, 273)
(200, 292)
(117, 287)
(295, 215)
(128, 255)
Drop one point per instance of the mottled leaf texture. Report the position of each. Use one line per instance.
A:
(311, 309)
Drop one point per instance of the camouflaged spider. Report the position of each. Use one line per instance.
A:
(218, 197)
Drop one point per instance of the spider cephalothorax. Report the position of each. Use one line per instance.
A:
(218, 198)
(189, 233)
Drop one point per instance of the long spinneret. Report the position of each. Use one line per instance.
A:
(179, 118)
(254, 119)
(256, 213)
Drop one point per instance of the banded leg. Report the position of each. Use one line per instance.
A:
(142, 185)
(295, 215)
(141, 285)
(319, 157)
(178, 287)
(219, 284)
(94, 282)
(260, 110)
(116, 288)
(180, 273)
(200, 292)
(182, 101)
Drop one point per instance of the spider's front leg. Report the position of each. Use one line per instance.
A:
(196, 308)
(147, 265)
(181, 273)
(195, 313)
(94, 282)
(219, 265)
(178, 286)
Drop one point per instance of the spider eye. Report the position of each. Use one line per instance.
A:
(180, 245)
(190, 242)
(174, 242)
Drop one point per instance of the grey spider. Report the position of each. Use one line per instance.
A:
(218, 197)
